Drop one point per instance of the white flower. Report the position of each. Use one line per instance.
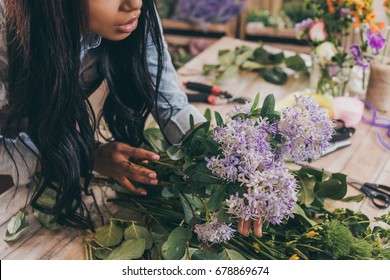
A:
(325, 52)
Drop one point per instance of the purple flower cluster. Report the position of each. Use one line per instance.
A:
(375, 40)
(271, 194)
(303, 26)
(250, 157)
(360, 59)
(306, 130)
(214, 231)
(206, 11)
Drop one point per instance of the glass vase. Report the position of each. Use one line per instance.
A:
(329, 79)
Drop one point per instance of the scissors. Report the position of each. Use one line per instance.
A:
(379, 194)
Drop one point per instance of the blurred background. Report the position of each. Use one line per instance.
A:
(191, 26)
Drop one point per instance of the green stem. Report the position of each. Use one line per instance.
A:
(386, 44)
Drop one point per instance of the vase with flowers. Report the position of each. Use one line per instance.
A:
(330, 31)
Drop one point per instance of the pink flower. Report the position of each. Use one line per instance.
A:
(317, 32)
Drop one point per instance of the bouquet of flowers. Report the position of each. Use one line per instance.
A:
(329, 32)
(219, 180)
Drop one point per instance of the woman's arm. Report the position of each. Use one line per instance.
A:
(179, 123)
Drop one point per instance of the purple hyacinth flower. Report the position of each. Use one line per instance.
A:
(303, 26)
(359, 58)
(375, 40)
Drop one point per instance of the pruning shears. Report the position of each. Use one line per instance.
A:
(211, 94)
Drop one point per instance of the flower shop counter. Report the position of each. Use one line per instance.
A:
(364, 161)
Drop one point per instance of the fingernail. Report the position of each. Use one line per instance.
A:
(143, 193)
(153, 182)
(155, 157)
(152, 175)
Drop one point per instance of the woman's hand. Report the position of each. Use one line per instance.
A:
(245, 226)
(119, 161)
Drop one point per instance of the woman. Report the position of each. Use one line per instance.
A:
(53, 55)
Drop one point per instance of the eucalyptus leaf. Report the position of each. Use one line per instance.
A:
(159, 234)
(243, 57)
(102, 253)
(226, 58)
(175, 152)
(274, 75)
(17, 225)
(306, 193)
(355, 198)
(207, 68)
(173, 249)
(139, 232)
(295, 63)
(251, 65)
(205, 255)
(230, 72)
(230, 254)
(109, 235)
(129, 250)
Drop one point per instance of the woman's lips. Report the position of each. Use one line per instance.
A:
(129, 26)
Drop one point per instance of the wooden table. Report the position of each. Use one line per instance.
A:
(364, 160)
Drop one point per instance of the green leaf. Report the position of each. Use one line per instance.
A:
(188, 215)
(102, 253)
(251, 65)
(230, 72)
(204, 126)
(230, 254)
(295, 63)
(156, 139)
(167, 193)
(218, 118)
(139, 232)
(46, 220)
(216, 198)
(175, 152)
(299, 211)
(319, 175)
(129, 250)
(109, 235)
(306, 194)
(355, 198)
(334, 188)
(255, 102)
(268, 105)
(17, 225)
(207, 68)
(200, 173)
(274, 75)
(174, 247)
(207, 115)
(226, 57)
(48, 197)
(243, 57)
(205, 255)
(159, 233)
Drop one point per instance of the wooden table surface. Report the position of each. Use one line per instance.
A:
(364, 161)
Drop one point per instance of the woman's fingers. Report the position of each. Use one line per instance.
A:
(140, 174)
(136, 153)
(125, 182)
(258, 226)
(244, 226)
